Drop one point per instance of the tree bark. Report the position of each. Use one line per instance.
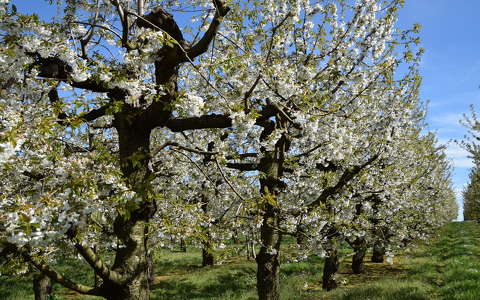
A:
(42, 286)
(268, 281)
(330, 268)
(208, 259)
(378, 252)
(131, 259)
(268, 264)
(358, 266)
(151, 269)
(183, 246)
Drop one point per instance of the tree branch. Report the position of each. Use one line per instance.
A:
(346, 177)
(202, 45)
(57, 277)
(160, 20)
(57, 69)
(202, 122)
(175, 145)
(95, 113)
(241, 155)
(243, 166)
(96, 263)
(124, 20)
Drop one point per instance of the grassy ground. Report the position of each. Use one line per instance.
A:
(448, 267)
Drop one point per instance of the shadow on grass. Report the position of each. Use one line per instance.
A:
(213, 282)
(12, 288)
(391, 290)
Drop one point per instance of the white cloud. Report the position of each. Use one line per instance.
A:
(446, 120)
(456, 154)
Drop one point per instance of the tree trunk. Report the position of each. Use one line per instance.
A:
(301, 235)
(235, 238)
(357, 260)
(183, 246)
(268, 281)
(131, 226)
(330, 268)
(151, 269)
(208, 259)
(131, 261)
(42, 286)
(268, 264)
(378, 252)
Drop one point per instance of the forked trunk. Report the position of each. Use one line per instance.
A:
(131, 228)
(132, 261)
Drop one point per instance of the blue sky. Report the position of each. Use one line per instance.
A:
(450, 67)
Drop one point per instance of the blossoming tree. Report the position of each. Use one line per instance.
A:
(121, 118)
(60, 76)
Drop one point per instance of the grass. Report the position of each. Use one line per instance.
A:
(447, 267)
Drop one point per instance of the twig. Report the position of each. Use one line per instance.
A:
(227, 181)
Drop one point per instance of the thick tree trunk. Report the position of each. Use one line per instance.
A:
(132, 257)
(42, 286)
(268, 264)
(268, 282)
(358, 266)
(131, 261)
(378, 253)
(330, 268)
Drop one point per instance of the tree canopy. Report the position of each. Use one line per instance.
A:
(126, 123)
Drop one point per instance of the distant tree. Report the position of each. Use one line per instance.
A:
(471, 193)
(471, 196)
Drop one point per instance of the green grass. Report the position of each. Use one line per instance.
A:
(448, 267)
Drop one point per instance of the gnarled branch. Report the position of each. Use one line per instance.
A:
(97, 264)
(57, 277)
